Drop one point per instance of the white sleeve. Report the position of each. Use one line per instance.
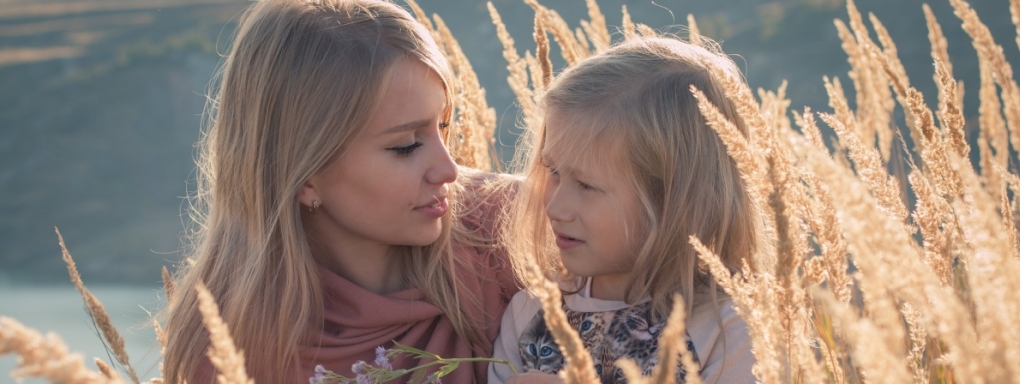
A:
(522, 308)
(724, 353)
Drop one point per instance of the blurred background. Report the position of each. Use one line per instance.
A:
(101, 102)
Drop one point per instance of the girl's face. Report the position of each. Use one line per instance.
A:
(390, 186)
(595, 216)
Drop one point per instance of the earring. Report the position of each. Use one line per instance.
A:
(314, 207)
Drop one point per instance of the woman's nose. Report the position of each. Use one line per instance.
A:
(444, 169)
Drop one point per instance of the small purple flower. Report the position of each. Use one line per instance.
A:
(320, 375)
(381, 360)
(433, 378)
(364, 379)
(360, 368)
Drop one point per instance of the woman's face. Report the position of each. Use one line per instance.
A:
(390, 186)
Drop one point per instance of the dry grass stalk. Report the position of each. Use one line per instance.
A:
(870, 169)
(748, 161)
(596, 28)
(45, 357)
(518, 78)
(1008, 223)
(476, 121)
(645, 30)
(933, 151)
(222, 353)
(754, 301)
(472, 143)
(168, 282)
(993, 138)
(839, 103)
(939, 44)
(582, 39)
(629, 30)
(918, 344)
(828, 233)
(809, 128)
(940, 54)
(1014, 11)
(951, 110)
(570, 46)
(693, 33)
(106, 370)
(631, 371)
(873, 98)
(542, 53)
(890, 58)
(930, 216)
(671, 345)
(879, 365)
(991, 54)
(98, 314)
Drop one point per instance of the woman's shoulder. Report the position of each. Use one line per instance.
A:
(478, 186)
(482, 199)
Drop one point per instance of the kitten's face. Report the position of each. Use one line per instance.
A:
(537, 348)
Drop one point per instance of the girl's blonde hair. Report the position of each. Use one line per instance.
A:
(301, 80)
(634, 101)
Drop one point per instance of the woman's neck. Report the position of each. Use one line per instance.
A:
(372, 266)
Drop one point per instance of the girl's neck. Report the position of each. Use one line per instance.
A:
(609, 287)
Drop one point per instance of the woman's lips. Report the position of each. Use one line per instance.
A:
(436, 209)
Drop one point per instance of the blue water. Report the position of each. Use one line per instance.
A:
(59, 309)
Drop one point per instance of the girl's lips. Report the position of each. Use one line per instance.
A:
(436, 209)
(565, 242)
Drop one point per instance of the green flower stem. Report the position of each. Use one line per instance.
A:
(468, 360)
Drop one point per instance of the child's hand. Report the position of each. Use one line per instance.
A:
(534, 376)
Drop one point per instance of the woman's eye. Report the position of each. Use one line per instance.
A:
(586, 186)
(407, 150)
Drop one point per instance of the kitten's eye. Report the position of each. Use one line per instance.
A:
(586, 325)
(532, 350)
(547, 351)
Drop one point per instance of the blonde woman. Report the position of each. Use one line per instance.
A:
(332, 219)
(623, 170)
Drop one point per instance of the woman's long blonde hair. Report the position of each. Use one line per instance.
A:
(635, 98)
(300, 81)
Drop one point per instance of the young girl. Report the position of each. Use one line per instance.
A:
(332, 219)
(623, 170)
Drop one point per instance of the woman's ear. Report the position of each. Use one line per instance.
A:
(308, 194)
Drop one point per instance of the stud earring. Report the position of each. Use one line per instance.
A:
(314, 207)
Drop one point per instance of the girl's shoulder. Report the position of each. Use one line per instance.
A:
(722, 341)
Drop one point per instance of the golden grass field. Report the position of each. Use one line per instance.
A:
(871, 276)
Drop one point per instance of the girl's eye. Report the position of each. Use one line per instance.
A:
(586, 186)
(407, 150)
(444, 125)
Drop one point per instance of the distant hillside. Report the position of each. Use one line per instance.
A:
(101, 102)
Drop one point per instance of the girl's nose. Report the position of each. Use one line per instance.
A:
(556, 206)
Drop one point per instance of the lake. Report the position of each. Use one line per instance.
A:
(60, 309)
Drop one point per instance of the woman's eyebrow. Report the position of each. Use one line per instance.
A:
(408, 126)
